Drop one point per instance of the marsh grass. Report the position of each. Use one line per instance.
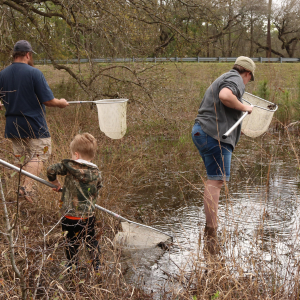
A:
(155, 149)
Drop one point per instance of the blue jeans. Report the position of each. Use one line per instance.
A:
(216, 155)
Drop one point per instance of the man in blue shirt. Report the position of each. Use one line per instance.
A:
(25, 93)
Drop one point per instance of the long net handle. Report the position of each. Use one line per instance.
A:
(228, 132)
(126, 220)
(10, 166)
(104, 101)
(78, 102)
(82, 102)
(6, 164)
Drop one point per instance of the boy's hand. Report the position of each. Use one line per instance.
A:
(58, 185)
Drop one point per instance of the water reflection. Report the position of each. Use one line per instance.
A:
(258, 218)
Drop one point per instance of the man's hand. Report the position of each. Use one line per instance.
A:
(248, 108)
(63, 103)
(58, 185)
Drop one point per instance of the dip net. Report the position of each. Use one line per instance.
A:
(112, 117)
(259, 120)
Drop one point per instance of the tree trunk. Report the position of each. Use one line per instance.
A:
(268, 52)
(251, 34)
(207, 44)
(229, 32)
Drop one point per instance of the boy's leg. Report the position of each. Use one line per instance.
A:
(72, 239)
(92, 242)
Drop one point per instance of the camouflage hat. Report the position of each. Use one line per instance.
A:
(246, 63)
(23, 46)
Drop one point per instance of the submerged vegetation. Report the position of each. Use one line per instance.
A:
(156, 156)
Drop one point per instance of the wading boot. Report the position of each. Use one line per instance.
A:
(211, 244)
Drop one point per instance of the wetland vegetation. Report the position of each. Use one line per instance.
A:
(154, 175)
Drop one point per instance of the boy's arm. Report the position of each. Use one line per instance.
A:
(99, 185)
(52, 171)
(99, 182)
(56, 169)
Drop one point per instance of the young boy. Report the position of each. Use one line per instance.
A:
(79, 195)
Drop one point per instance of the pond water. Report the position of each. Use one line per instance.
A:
(258, 217)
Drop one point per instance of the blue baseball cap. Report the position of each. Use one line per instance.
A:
(23, 46)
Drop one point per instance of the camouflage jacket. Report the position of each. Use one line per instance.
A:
(81, 186)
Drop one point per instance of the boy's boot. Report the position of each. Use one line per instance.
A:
(70, 266)
(94, 253)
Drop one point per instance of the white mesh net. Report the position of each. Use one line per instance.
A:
(259, 120)
(112, 117)
(139, 237)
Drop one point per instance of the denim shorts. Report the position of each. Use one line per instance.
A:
(216, 155)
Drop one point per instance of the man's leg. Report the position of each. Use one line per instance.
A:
(38, 151)
(35, 167)
(211, 201)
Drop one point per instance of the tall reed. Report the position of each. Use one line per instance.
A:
(152, 156)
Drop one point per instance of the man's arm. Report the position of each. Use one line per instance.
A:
(230, 100)
(61, 103)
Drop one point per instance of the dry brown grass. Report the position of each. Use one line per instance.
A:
(158, 137)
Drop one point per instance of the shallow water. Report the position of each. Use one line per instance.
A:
(257, 218)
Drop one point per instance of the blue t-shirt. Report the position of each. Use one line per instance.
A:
(24, 89)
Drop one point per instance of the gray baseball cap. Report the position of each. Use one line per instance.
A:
(23, 46)
(246, 63)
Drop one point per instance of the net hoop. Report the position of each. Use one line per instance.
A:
(110, 101)
(259, 120)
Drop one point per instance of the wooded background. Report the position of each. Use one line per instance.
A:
(146, 28)
(76, 29)
(157, 157)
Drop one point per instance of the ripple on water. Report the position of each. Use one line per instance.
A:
(256, 220)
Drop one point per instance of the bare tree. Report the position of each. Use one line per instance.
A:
(287, 23)
(269, 45)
